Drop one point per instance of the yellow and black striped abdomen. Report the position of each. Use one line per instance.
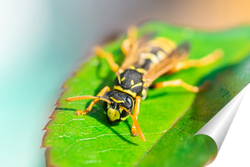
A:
(131, 80)
(151, 58)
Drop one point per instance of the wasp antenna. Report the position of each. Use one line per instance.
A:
(80, 98)
(88, 97)
(136, 124)
(104, 99)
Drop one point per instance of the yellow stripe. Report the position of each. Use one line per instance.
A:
(123, 78)
(139, 84)
(124, 118)
(150, 56)
(161, 55)
(167, 41)
(117, 101)
(132, 82)
(119, 78)
(132, 67)
(166, 44)
(144, 92)
(163, 46)
(140, 70)
(133, 94)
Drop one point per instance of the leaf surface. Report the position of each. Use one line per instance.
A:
(169, 117)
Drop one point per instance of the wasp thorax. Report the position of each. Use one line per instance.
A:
(113, 111)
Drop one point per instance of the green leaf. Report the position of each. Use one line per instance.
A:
(177, 147)
(169, 117)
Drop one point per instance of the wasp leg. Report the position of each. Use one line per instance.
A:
(101, 93)
(209, 59)
(131, 38)
(136, 114)
(179, 82)
(108, 56)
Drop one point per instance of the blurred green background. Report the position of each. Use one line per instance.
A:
(43, 42)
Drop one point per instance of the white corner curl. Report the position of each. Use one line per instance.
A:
(218, 126)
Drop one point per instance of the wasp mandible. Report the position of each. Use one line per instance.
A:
(145, 61)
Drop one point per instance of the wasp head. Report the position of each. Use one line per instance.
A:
(114, 110)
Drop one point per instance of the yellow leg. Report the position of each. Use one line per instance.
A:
(136, 114)
(131, 38)
(179, 82)
(209, 59)
(101, 93)
(108, 56)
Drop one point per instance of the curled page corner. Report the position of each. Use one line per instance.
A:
(218, 126)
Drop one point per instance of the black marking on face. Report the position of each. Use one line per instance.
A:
(117, 99)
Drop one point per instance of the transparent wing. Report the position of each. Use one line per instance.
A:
(179, 54)
(138, 47)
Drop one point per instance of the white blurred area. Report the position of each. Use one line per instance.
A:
(43, 42)
(235, 148)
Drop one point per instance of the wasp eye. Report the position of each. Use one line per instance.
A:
(129, 101)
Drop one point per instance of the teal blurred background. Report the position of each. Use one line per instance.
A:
(43, 42)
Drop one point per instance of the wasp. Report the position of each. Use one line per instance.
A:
(145, 61)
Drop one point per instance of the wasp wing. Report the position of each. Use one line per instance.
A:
(138, 47)
(179, 54)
